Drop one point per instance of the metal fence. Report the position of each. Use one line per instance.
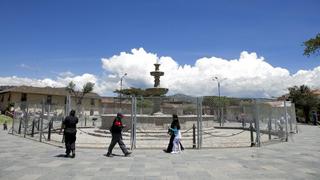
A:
(206, 122)
(43, 121)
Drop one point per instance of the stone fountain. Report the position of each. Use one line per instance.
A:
(156, 91)
(157, 118)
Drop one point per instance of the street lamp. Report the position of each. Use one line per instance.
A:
(217, 79)
(121, 88)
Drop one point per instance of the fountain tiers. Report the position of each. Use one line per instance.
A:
(156, 91)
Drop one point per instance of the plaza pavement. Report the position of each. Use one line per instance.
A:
(25, 159)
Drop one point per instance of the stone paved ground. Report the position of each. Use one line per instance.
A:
(24, 159)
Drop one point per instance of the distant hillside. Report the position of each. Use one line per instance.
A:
(183, 98)
(5, 87)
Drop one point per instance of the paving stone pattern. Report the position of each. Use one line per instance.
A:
(25, 159)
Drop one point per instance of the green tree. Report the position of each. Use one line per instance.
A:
(131, 91)
(79, 95)
(142, 92)
(304, 99)
(312, 46)
(214, 102)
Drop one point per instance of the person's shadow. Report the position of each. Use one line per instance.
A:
(121, 155)
(61, 156)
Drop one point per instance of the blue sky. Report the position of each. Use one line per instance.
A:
(42, 38)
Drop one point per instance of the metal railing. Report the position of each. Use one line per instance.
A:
(205, 123)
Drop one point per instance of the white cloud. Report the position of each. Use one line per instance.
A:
(136, 64)
(248, 76)
(66, 74)
(58, 82)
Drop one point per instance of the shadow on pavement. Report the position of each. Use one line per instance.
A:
(61, 155)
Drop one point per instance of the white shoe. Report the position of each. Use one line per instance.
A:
(173, 152)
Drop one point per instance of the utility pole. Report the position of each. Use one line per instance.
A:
(219, 103)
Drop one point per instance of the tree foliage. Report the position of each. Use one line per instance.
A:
(131, 91)
(87, 88)
(312, 46)
(142, 92)
(304, 99)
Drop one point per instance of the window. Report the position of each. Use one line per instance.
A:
(23, 97)
(92, 102)
(91, 112)
(9, 98)
(2, 97)
(49, 99)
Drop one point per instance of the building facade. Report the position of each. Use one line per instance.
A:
(36, 96)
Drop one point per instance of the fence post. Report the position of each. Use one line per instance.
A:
(201, 131)
(290, 118)
(194, 136)
(32, 130)
(294, 117)
(19, 130)
(50, 123)
(41, 120)
(38, 124)
(13, 118)
(49, 130)
(26, 120)
(269, 128)
(286, 119)
(199, 122)
(257, 124)
(251, 135)
(133, 122)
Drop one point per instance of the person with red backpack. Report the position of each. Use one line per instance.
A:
(116, 131)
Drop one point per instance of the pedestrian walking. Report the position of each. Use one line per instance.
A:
(171, 132)
(177, 135)
(116, 132)
(314, 117)
(69, 125)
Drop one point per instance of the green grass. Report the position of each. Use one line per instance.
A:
(4, 118)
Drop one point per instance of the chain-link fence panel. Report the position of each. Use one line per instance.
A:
(101, 136)
(154, 116)
(269, 115)
(276, 120)
(226, 121)
(292, 119)
(205, 122)
(32, 120)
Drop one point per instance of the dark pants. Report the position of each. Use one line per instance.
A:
(70, 142)
(170, 145)
(117, 138)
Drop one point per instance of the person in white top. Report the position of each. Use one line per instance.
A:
(177, 135)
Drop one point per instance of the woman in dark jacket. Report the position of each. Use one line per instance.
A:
(174, 123)
(69, 125)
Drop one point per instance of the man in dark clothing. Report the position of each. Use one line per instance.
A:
(116, 131)
(69, 125)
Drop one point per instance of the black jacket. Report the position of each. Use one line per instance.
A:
(70, 124)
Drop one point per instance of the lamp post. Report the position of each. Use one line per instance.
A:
(121, 79)
(219, 108)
